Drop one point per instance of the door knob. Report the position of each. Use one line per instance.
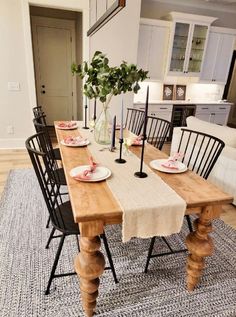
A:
(43, 91)
(43, 86)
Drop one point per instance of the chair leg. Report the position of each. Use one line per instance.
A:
(149, 253)
(50, 238)
(167, 243)
(48, 222)
(77, 240)
(190, 226)
(55, 264)
(109, 257)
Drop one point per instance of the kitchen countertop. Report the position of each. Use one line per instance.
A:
(184, 102)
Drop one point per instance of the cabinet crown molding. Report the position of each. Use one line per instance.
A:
(190, 17)
(155, 22)
(223, 30)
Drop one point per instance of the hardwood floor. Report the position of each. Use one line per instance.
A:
(15, 159)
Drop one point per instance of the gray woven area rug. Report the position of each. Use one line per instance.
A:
(25, 266)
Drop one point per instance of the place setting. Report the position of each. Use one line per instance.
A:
(93, 172)
(75, 141)
(66, 125)
(171, 165)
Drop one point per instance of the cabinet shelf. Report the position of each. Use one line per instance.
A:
(182, 36)
(197, 49)
(195, 60)
(179, 47)
(199, 38)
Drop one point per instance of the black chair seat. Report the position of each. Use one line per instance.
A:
(60, 177)
(65, 218)
(57, 154)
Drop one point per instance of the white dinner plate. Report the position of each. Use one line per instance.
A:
(100, 173)
(79, 143)
(157, 165)
(67, 128)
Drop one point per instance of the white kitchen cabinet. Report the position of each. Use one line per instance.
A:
(217, 114)
(189, 38)
(156, 110)
(218, 56)
(153, 46)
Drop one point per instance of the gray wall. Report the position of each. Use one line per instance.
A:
(155, 10)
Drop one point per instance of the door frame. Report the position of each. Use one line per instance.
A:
(70, 25)
(80, 6)
(231, 69)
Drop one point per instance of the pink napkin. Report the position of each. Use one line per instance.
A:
(66, 124)
(172, 162)
(86, 174)
(137, 140)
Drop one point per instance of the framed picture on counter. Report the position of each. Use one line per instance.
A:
(168, 92)
(180, 92)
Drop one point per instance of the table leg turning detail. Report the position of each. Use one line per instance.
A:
(200, 244)
(89, 265)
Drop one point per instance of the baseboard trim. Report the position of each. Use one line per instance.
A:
(12, 144)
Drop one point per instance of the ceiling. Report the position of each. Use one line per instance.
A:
(227, 2)
(218, 5)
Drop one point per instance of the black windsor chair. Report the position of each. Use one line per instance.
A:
(201, 152)
(57, 172)
(60, 212)
(40, 117)
(157, 131)
(134, 120)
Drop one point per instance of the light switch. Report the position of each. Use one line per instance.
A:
(13, 86)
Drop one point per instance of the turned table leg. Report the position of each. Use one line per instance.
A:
(89, 266)
(200, 244)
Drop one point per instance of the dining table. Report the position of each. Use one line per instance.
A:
(95, 206)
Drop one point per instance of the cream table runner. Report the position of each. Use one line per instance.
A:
(150, 207)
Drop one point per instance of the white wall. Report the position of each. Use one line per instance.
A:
(119, 40)
(14, 106)
(17, 65)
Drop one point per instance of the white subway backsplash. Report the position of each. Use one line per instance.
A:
(194, 92)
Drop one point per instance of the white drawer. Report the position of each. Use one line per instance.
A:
(155, 108)
(220, 108)
(212, 108)
(203, 108)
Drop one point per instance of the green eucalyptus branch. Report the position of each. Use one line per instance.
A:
(102, 81)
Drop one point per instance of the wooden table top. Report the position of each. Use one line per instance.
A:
(95, 201)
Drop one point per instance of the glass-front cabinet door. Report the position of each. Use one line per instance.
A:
(179, 48)
(188, 48)
(198, 42)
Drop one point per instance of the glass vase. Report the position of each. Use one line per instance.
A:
(102, 129)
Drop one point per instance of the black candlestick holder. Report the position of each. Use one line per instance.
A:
(85, 117)
(120, 160)
(142, 174)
